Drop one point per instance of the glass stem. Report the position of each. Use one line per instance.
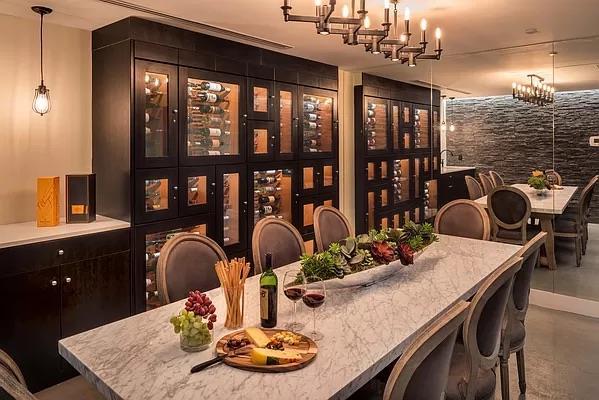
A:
(314, 321)
(294, 311)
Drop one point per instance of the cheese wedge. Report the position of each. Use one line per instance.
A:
(257, 337)
(273, 357)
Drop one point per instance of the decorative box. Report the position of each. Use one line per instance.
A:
(81, 198)
(48, 192)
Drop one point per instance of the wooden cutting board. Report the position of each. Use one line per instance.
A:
(306, 347)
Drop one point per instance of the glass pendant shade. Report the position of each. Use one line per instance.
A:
(41, 100)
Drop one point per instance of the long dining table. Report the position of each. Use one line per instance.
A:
(545, 208)
(365, 329)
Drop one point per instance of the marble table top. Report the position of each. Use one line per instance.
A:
(364, 329)
(552, 202)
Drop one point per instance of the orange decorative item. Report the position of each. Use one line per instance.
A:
(48, 191)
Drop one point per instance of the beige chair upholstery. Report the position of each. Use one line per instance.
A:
(475, 190)
(513, 333)
(463, 218)
(472, 371)
(486, 182)
(554, 176)
(330, 226)
(509, 208)
(186, 263)
(279, 238)
(496, 179)
(423, 368)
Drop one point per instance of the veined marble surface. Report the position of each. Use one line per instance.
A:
(448, 169)
(552, 202)
(364, 330)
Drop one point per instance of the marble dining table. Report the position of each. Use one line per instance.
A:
(364, 328)
(545, 208)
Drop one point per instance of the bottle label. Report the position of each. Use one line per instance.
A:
(216, 87)
(263, 303)
(214, 131)
(211, 98)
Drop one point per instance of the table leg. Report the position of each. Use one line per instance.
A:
(547, 226)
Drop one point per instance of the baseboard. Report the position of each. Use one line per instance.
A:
(560, 302)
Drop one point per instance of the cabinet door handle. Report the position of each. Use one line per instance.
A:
(60, 252)
(54, 282)
(67, 279)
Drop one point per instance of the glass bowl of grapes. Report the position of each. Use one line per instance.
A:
(195, 323)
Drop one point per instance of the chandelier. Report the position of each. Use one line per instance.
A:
(536, 93)
(354, 26)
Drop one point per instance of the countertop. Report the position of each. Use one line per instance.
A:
(454, 168)
(28, 232)
(364, 329)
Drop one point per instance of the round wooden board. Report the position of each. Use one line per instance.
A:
(306, 347)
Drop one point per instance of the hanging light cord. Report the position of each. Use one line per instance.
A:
(42, 47)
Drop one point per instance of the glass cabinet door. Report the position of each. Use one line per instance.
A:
(231, 207)
(307, 205)
(214, 117)
(261, 141)
(260, 99)
(309, 171)
(156, 192)
(286, 120)
(319, 124)
(421, 128)
(274, 194)
(401, 180)
(328, 176)
(156, 115)
(197, 190)
(396, 128)
(418, 177)
(376, 124)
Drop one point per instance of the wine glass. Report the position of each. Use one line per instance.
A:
(314, 297)
(294, 288)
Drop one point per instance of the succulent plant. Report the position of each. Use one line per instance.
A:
(382, 252)
(405, 253)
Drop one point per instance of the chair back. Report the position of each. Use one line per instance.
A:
(463, 218)
(509, 208)
(186, 263)
(553, 176)
(11, 379)
(330, 226)
(486, 182)
(422, 370)
(279, 238)
(584, 205)
(483, 325)
(475, 190)
(530, 255)
(496, 179)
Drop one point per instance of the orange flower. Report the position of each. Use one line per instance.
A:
(537, 173)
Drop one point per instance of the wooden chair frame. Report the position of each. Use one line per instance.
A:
(496, 179)
(166, 251)
(425, 343)
(496, 223)
(256, 235)
(317, 233)
(486, 182)
(477, 207)
(472, 183)
(558, 177)
(12, 380)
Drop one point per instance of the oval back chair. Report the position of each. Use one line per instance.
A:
(330, 225)
(11, 379)
(463, 218)
(475, 190)
(279, 238)
(186, 263)
(496, 179)
(553, 176)
(509, 208)
(486, 182)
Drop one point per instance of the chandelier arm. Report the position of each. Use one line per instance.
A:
(301, 18)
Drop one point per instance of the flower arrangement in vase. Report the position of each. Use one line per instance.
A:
(195, 322)
(539, 182)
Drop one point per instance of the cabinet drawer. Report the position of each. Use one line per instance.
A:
(37, 256)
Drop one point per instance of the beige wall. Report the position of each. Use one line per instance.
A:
(32, 145)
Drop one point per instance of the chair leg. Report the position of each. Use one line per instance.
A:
(505, 378)
(578, 250)
(585, 238)
(521, 370)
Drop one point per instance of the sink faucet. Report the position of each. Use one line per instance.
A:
(441, 155)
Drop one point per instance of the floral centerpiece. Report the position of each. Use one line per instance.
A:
(538, 180)
(355, 254)
(195, 322)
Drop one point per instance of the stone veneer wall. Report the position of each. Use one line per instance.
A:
(514, 138)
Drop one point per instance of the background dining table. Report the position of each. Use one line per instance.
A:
(365, 329)
(545, 208)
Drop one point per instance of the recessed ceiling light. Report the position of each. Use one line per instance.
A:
(531, 31)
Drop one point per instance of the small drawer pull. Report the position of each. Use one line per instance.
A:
(67, 279)
(54, 282)
(60, 252)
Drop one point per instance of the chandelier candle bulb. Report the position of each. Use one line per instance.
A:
(423, 26)
(438, 37)
(406, 17)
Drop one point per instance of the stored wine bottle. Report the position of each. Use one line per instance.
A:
(268, 295)
(267, 179)
(309, 107)
(312, 117)
(209, 97)
(213, 132)
(266, 210)
(311, 125)
(312, 142)
(371, 113)
(371, 106)
(208, 109)
(267, 199)
(214, 86)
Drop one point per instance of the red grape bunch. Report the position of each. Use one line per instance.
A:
(202, 306)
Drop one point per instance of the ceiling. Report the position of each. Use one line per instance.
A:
(485, 44)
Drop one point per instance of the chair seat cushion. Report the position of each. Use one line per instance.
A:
(485, 385)
(565, 225)
(517, 335)
(74, 389)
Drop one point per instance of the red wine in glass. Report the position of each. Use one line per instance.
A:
(294, 293)
(313, 300)
(294, 287)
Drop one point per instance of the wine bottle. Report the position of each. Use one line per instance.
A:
(311, 125)
(267, 199)
(371, 113)
(312, 117)
(268, 295)
(266, 210)
(214, 87)
(312, 142)
(309, 107)
(267, 179)
(208, 109)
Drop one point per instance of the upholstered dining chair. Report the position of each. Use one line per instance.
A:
(186, 263)
(496, 179)
(330, 225)
(472, 371)
(554, 176)
(279, 238)
(475, 190)
(577, 227)
(509, 208)
(571, 212)
(486, 182)
(513, 332)
(422, 370)
(463, 218)
(13, 383)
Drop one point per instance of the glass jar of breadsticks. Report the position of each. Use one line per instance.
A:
(232, 276)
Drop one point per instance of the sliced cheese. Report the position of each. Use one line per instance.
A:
(273, 357)
(257, 337)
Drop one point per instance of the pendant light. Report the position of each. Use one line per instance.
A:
(451, 125)
(41, 99)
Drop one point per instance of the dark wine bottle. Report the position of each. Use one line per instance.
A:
(268, 295)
